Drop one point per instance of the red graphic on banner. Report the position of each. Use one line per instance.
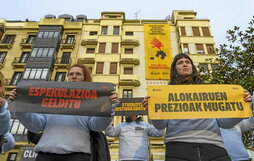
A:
(156, 43)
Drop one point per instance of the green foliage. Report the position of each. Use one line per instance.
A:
(236, 59)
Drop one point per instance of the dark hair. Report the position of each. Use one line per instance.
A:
(85, 70)
(176, 79)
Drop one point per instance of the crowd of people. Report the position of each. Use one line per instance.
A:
(67, 137)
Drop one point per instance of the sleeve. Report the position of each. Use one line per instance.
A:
(4, 119)
(101, 123)
(112, 131)
(32, 121)
(9, 144)
(152, 131)
(247, 124)
(160, 124)
(228, 123)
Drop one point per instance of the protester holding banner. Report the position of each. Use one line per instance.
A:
(6, 139)
(133, 138)
(65, 137)
(193, 139)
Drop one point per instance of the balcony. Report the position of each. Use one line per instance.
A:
(87, 59)
(19, 63)
(5, 45)
(61, 63)
(25, 44)
(9, 86)
(129, 80)
(89, 42)
(129, 59)
(67, 44)
(130, 40)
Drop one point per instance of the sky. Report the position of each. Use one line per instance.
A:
(223, 14)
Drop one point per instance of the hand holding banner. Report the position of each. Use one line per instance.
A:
(197, 101)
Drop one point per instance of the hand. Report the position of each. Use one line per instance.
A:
(12, 95)
(114, 97)
(2, 102)
(247, 96)
(145, 101)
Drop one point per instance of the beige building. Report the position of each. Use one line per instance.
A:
(112, 47)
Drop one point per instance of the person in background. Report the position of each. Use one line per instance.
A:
(133, 138)
(193, 139)
(65, 137)
(7, 141)
(233, 140)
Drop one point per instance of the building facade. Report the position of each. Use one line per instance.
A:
(113, 48)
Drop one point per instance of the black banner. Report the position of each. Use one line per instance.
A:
(71, 98)
(28, 154)
(130, 106)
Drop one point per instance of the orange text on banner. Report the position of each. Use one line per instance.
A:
(197, 101)
(158, 51)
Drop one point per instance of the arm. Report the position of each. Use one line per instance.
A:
(9, 144)
(32, 121)
(113, 131)
(160, 124)
(101, 123)
(152, 131)
(247, 124)
(4, 119)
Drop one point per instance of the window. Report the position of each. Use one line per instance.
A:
(128, 33)
(183, 32)
(48, 34)
(12, 156)
(2, 56)
(17, 127)
(114, 48)
(42, 52)
(99, 68)
(113, 68)
(16, 78)
(186, 49)
(127, 93)
(210, 48)
(128, 70)
(70, 39)
(116, 30)
(195, 31)
(24, 57)
(35, 73)
(206, 31)
(30, 39)
(66, 58)
(60, 76)
(90, 50)
(102, 47)
(214, 66)
(203, 67)
(104, 30)
(93, 33)
(200, 49)
(9, 39)
(128, 50)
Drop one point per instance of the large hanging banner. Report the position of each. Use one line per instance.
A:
(70, 98)
(196, 102)
(158, 51)
(130, 106)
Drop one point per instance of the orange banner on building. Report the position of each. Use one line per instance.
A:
(196, 102)
(158, 51)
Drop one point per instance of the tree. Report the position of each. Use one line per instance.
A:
(236, 59)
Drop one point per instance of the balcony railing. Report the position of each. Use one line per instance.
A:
(129, 80)
(19, 63)
(87, 59)
(67, 43)
(129, 59)
(6, 45)
(89, 42)
(25, 44)
(130, 40)
(61, 63)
